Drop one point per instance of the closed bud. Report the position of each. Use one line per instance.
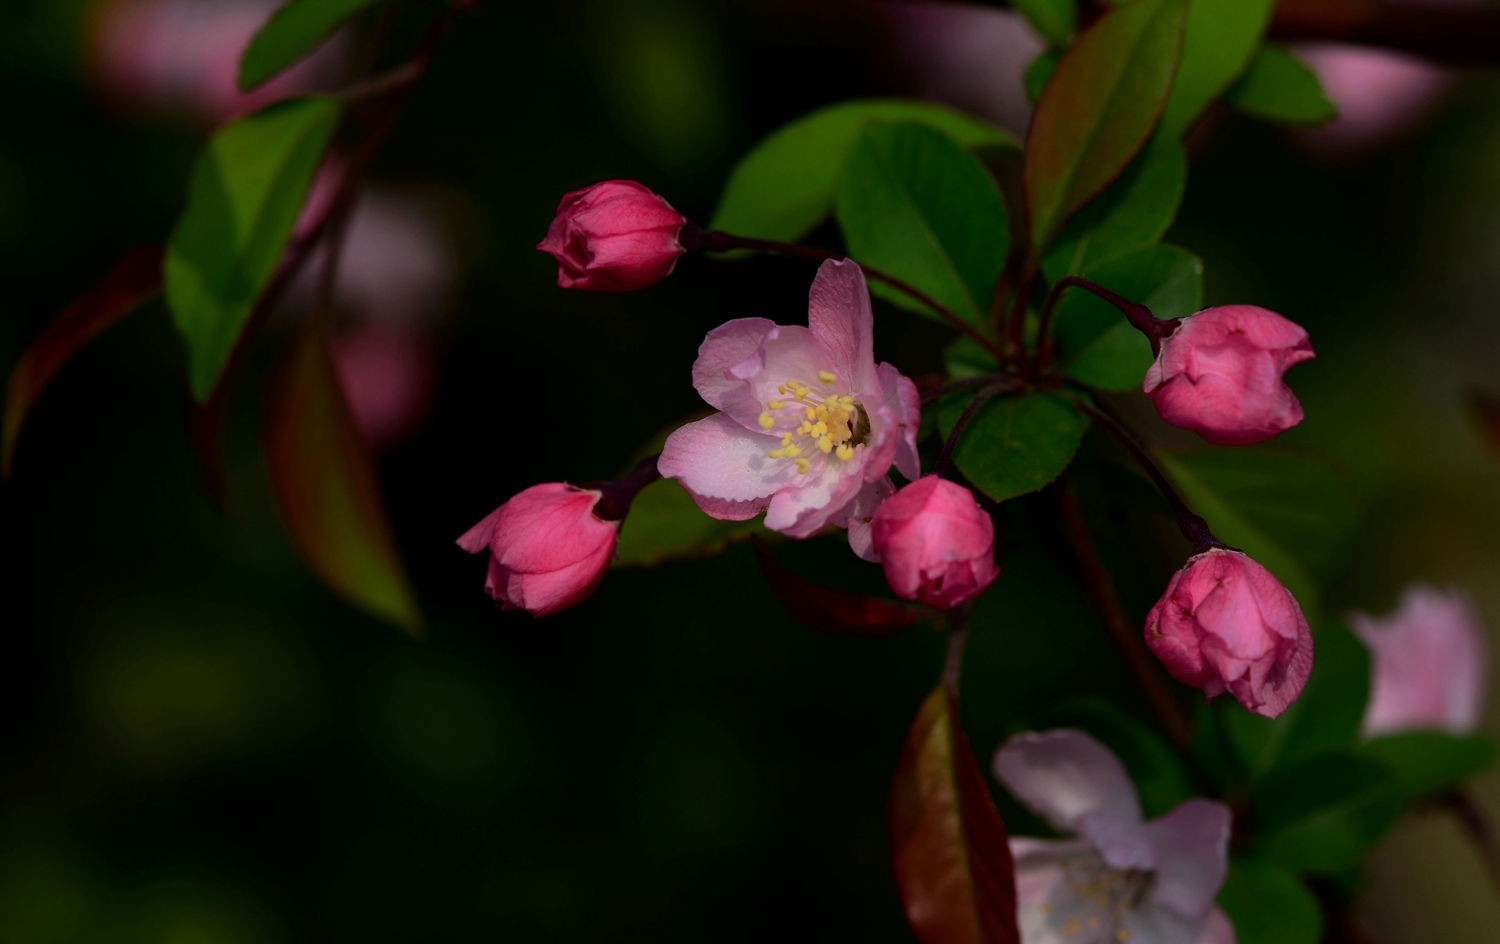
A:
(935, 542)
(1219, 374)
(615, 236)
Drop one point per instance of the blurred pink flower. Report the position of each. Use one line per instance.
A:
(1429, 665)
(1380, 95)
(184, 54)
(808, 425)
(386, 376)
(935, 542)
(1226, 624)
(1122, 878)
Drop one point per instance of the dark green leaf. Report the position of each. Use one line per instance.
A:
(965, 359)
(666, 524)
(1039, 73)
(1221, 37)
(1278, 87)
(913, 204)
(785, 185)
(1257, 499)
(243, 201)
(291, 33)
(1424, 762)
(1054, 20)
(1269, 905)
(1132, 212)
(1322, 815)
(1016, 444)
(326, 488)
(1098, 109)
(1095, 344)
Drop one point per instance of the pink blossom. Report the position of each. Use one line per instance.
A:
(1226, 624)
(1121, 878)
(1428, 666)
(1219, 374)
(808, 425)
(1381, 96)
(935, 542)
(615, 236)
(548, 549)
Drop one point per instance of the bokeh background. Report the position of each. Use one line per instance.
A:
(203, 744)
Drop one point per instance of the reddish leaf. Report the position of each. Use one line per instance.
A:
(835, 611)
(1098, 109)
(135, 278)
(949, 847)
(325, 485)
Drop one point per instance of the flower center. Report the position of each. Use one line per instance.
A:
(830, 423)
(1108, 894)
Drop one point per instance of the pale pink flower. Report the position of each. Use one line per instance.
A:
(808, 426)
(935, 543)
(1428, 663)
(1226, 624)
(548, 549)
(614, 236)
(1381, 96)
(1121, 878)
(1219, 374)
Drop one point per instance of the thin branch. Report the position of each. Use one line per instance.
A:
(1478, 830)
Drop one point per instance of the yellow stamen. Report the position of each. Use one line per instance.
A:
(766, 420)
(827, 376)
(801, 466)
(845, 452)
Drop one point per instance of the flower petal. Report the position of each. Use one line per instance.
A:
(722, 350)
(478, 538)
(819, 500)
(1065, 774)
(1192, 848)
(1217, 929)
(839, 315)
(905, 403)
(718, 458)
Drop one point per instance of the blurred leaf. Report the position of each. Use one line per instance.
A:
(1054, 20)
(1015, 445)
(835, 611)
(292, 32)
(1095, 344)
(1269, 905)
(1279, 87)
(1424, 762)
(1098, 109)
(665, 524)
(785, 185)
(1221, 37)
(243, 201)
(1323, 814)
(1132, 212)
(1258, 499)
(135, 278)
(1484, 407)
(913, 204)
(948, 845)
(325, 485)
(1155, 766)
(964, 359)
(1039, 73)
(1326, 717)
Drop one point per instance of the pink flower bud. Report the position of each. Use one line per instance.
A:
(935, 542)
(616, 236)
(1219, 374)
(1226, 624)
(548, 549)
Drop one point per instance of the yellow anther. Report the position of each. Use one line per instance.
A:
(767, 420)
(825, 444)
(1071, 927)
(811, 413)
(845, 452)
(819, 428)
(781, 388)
(827, 376)
(786, 439)
(793, 451)
(1122, 935)
(777, 453)
(776, 404)
(802, 466)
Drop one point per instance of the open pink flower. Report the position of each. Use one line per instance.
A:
(808, 425)
(1121, 878)
(1226, 624)
(1428, 663)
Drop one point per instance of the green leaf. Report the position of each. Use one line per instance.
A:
(1039, 73)
(913, 204)
(1257, 499)
(242, 203)
(785, 185)
(1015, 445)
(1279, 87)
(1054, 20)
(1095, 344)
(326, 489)
(1424, 762)
(1132, 212)
(1325, 718)
(964, 359)
(665, 524)
(1322, 815)
(1221, 37)
(1269, 905)
(1098, 109)
(292, 32)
